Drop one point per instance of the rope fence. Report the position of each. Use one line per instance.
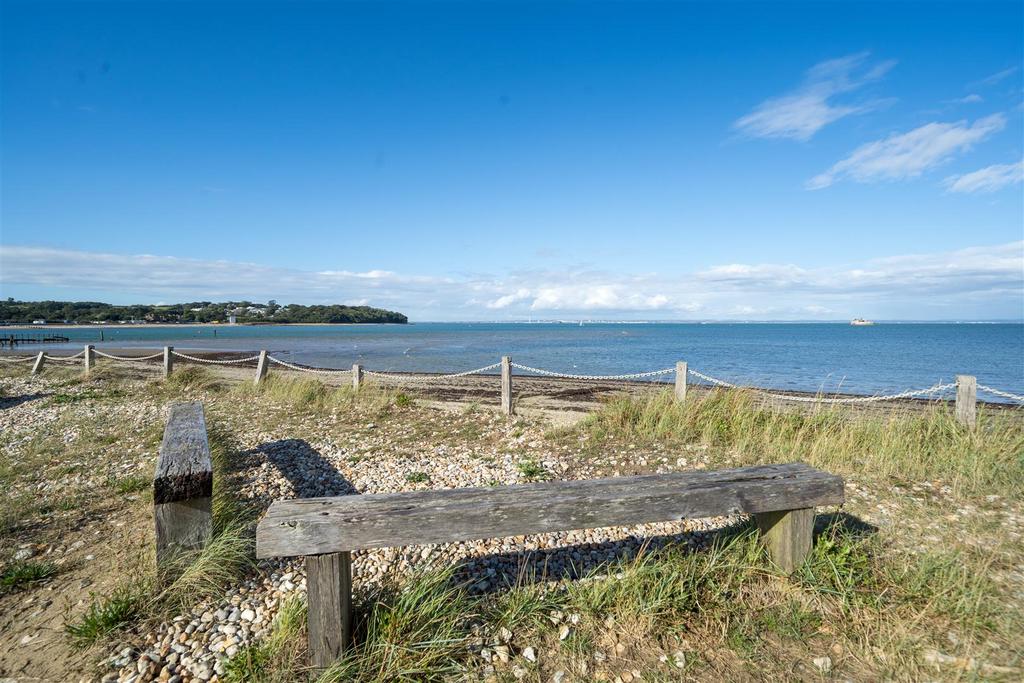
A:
(130, 359)
(211, 361)
(966, 386)
(423, 378)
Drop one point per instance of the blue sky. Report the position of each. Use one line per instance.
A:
(505, 160)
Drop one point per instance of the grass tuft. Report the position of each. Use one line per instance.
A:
(531, 470)
(312, 395)
(131, 484)
(413, 633)
(192, 378)
(105, 615)
(23, 573)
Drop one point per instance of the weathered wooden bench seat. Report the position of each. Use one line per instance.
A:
(325, 530)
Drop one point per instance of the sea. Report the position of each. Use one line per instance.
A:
(828, 357)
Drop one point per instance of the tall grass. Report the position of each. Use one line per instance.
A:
(315, 396)
(911, 443)
(412, 633)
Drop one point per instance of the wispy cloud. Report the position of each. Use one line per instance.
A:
(799, 114)
(974, 282)
(973, 98)
(993, 79)
(908, 155)
(988, 179)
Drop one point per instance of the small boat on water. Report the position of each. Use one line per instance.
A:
(861, 321)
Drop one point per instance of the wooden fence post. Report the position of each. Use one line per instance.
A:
(168, 361)
(329, 600)
(183, 484)
(966, 400)
(261, 367)
(506, 385)
(357, 375)
(38, 365)
(681, 370)
(90, 357)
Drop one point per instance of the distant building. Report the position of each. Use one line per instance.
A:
(38, 322)
(231, 319)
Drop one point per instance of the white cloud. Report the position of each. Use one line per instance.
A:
(908, 155)
(975, 282)
(509, 299)
(803, 112)
(998, 76)
(597, 297)
(988, 179)
(973, 98)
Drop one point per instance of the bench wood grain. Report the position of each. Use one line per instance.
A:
(183, 484)
(313, 526)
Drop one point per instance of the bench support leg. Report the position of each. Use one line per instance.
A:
(181, 525)
(787, 535)
(329, 596)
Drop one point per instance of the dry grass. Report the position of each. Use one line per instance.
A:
(909, 444)
(312, 395)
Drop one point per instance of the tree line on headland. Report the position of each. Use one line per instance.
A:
(85, 312)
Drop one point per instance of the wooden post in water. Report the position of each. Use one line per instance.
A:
(38, 365)
(966, 400)
(681, 370)
(261, 367)
(168, 361)
(357, 375)
(506, 385)
(90, 357)
(329, 597)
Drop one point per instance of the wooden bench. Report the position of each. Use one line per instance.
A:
(326, 530)
(183, 484)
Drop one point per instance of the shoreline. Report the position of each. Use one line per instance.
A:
(21, 327)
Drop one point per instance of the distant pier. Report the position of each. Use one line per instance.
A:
(13, 340)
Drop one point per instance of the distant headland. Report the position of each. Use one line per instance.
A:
(197, 312)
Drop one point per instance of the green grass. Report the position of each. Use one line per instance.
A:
(912, 444)
(415, 632)
(106, 615)
(23, 573)
(880, 606)
(531, 470)
(417, 477)
(133, 483)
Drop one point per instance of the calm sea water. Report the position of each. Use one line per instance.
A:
(809, 357)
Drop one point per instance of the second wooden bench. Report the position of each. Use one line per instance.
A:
(326, 530)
